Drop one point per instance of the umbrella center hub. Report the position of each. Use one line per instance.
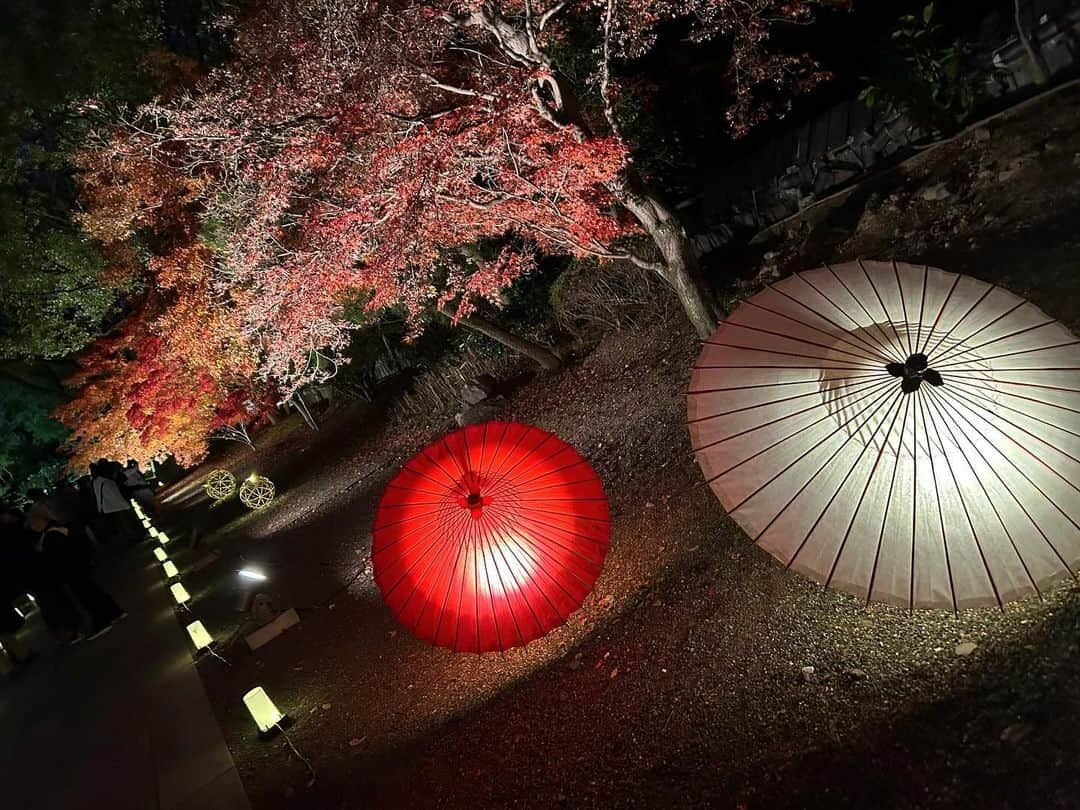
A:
(474, 499)
(913, 372)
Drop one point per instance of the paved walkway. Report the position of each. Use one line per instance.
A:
(120, 722)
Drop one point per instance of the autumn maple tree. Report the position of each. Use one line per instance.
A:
(423, 154)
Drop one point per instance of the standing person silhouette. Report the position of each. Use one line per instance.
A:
(113, 508)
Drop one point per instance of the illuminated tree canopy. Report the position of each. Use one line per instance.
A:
(368, 147)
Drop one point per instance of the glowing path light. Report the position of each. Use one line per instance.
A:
(490, 537)
(160, 554)
(163, 538)
(900, 433)
(202, 640)
(180, 594)
(267, 717)
(170, 569)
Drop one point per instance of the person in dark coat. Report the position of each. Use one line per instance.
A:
(68, 558)
(13, 583)
(27, 573)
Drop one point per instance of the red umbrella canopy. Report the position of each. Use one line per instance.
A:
(490, 537)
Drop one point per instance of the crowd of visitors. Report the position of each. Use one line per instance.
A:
(48, 553)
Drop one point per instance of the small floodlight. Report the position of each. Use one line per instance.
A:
(160, 554)
(263, 711)
(252, 574)
(170, 569)
(180, 593)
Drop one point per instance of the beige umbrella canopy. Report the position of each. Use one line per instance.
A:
(901, 433)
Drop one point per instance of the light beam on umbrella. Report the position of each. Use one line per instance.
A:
(490, 537)
(902, 433)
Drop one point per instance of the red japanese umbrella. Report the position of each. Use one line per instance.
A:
(898, 432)
(490, 537)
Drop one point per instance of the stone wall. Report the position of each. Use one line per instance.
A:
(846, 141)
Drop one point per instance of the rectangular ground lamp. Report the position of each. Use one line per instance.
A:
(263, 711)
(163, 538)
(170, 569)
(199, 637)
(180, 593)
(153, 532)
(160, 554)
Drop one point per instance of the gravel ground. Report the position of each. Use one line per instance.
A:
(699, 672)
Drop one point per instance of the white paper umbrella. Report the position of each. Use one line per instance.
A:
(902, 433)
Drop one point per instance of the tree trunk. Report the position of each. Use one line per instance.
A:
(1038, 64)
(562, 108)
(534, 351)
(679, 267)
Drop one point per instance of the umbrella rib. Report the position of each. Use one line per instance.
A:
(500, 449)
(440, 509)
(840, 486)
(870, 350)
(500, 547)
(1012, 354)
(868, 380)
(433, 548)
(959, 349)
(949, 421)
(881, 389)
(486, 551)
(1024, 430)
(922, 304)
(432, 544)
(940, 511)
(975, 388)
(539, 471)
(835, 453)
(446, 597)
(430, 518)
(862, 496)
(903, 308)
(937, 320)
(872, 361)
(525, 516)
(1011, 370)
(446, 564)
(943, 338)
(442, 485)
(1024, 475)
(953, 417)
(914, 496)
(538, 555)
(963, 505)
(873, 321)
(813, 368)
(497, 474)
(888, 500)
(999, 381)
(825, 317)
(876, 375)
(539, 566)
(519, 486)
(865, 364)
(504, 476)
(885, 309)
